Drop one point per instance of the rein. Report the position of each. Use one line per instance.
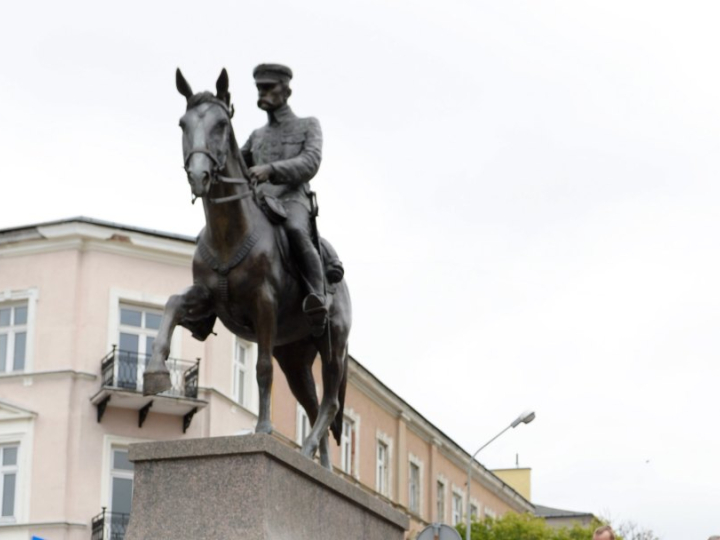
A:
(238, 196)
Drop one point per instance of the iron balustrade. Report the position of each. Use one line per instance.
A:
(124, 369)
(109, 525)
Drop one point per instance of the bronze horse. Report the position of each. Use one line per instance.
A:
(242, 274)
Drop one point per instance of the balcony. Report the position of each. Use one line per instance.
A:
(122, 386)
(109, 526)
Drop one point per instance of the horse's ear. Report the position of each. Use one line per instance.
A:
(222, 85)
(182, 85)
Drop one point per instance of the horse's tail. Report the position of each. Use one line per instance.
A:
(336, 426)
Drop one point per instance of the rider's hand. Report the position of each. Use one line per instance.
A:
(261, 173)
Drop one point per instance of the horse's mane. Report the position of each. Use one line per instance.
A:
(208, 97)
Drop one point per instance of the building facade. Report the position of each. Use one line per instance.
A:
(80, 304)
(558, 518)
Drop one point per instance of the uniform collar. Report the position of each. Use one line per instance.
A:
(280, 115)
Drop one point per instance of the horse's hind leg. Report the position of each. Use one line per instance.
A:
(333, 353)
(194, 302)
(296, 361)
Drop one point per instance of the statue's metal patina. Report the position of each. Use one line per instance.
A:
(259, 218)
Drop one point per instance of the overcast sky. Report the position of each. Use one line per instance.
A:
(524, 195)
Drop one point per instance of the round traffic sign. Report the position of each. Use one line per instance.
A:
(438, 531)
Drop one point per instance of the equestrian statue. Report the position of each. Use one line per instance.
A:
(260, 265)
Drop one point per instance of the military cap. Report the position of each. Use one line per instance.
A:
(272, 73)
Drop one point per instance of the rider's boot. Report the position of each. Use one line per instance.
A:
(316, 313)
(334, 270)
(314, 306)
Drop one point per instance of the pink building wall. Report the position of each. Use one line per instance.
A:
(79, 271)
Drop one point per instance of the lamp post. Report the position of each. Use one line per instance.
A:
(524, 418)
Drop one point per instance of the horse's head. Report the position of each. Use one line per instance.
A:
(207, 132)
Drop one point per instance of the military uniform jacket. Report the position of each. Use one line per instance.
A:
(293, 146)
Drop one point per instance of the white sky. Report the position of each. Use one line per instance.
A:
(524, 195)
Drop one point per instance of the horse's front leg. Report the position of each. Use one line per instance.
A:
(194, 302)
(266, 314)
(325, 452)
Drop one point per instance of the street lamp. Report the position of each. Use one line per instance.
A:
(524, 418)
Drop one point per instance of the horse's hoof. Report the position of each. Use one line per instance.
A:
(156, 382)
(264, 427)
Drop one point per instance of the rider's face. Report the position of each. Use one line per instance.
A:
(271, 96)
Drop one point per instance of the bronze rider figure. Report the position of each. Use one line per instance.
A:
(283, 156)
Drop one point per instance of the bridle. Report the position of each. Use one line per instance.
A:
(218, 166)
(221, 267)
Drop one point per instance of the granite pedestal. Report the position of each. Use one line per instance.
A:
(252, 488)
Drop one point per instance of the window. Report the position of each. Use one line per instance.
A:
(242, 379)
(117, 485)
(13, 337)
(138, 328)
(8, 481)
(240, 372)
(302, 425)
(440, 517)
(348, 444)
(473, 512)
(457, 512)
(16, 443)
(382, 478)
(121, 488)
(489, 512)
(414, 488)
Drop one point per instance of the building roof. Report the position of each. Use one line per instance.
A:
(549, 512)
(23, 232)
(507, 490)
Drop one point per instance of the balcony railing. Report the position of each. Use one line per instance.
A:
(109, 525)
(124, 370)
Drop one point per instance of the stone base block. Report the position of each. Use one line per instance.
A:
(250, 488)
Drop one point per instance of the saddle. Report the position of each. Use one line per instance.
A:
(274, 210)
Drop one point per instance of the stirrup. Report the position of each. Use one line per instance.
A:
(316, 313)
